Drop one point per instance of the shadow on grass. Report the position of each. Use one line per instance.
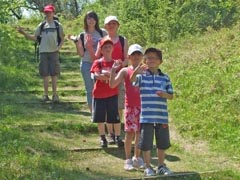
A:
(40, 159)
(174, 176)
(116, 152)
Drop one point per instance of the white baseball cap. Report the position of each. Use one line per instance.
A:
(110, 18)
(135, 47)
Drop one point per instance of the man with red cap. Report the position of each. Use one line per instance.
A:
(52, 38)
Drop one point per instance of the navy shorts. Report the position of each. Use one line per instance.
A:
(147, 136)
(106, 110)
(49, 64)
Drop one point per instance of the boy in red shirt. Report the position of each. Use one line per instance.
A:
(105, 99)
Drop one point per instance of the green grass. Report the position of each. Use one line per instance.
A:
(58, 141)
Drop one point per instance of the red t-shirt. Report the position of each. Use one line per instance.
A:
(101, 88)
(132, 95)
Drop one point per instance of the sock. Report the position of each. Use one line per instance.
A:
(103, 137)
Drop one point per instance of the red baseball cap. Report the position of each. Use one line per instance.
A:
(49, 8)
(105, 40)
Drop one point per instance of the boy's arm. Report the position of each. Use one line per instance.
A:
(101, 76)
(116, 78)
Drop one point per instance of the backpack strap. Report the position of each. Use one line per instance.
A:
(82, 39)
(100, 31)
(121, 39)
(42, 29)
(58, 34)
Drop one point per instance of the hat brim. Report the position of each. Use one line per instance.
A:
(105, 42)
(130, 53)
(48, 10)
(110, 21)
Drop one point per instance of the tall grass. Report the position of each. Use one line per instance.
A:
(205, 72)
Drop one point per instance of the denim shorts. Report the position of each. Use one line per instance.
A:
(147, 136)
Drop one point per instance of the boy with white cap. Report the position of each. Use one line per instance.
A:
(132, 106)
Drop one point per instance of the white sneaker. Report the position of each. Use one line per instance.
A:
(163, 170)
(149, 172)
(128, 165)
(138, 163)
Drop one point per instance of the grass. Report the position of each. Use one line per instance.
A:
(58, 141)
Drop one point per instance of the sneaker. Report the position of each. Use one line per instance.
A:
(120, 143)
(103, 143)
(111, 139)
(138, 163)
(55, 99)
(149, 172)
(128, 165)
(45, 98)
(163, 170)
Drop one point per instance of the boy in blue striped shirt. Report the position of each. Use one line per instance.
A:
(155, 89)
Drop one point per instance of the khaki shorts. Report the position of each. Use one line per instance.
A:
(49, 64)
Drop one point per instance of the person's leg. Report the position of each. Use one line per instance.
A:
(137, 151)
(43, 71)
(113, 118)
(128, 144)
(147, 158)
(88, 81)
(45, 85)
(54, 71)
(163, 143)
(101, 129)
(99, 116)
(161, 156)
(146, 141)
(54, 84)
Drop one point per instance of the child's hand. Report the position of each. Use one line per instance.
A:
(117, 64)
(141, 68)
(106, 73)
(160, 93)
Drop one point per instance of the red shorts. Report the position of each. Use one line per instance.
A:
(132, 117)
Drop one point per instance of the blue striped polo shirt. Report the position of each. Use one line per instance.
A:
(153, 108)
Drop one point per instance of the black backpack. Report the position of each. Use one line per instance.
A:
(39, 38)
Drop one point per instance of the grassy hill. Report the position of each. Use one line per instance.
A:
(58, 141)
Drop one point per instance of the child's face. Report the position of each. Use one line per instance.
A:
(136, 57)
(107, 49)
(112, 26)
(152, 60)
